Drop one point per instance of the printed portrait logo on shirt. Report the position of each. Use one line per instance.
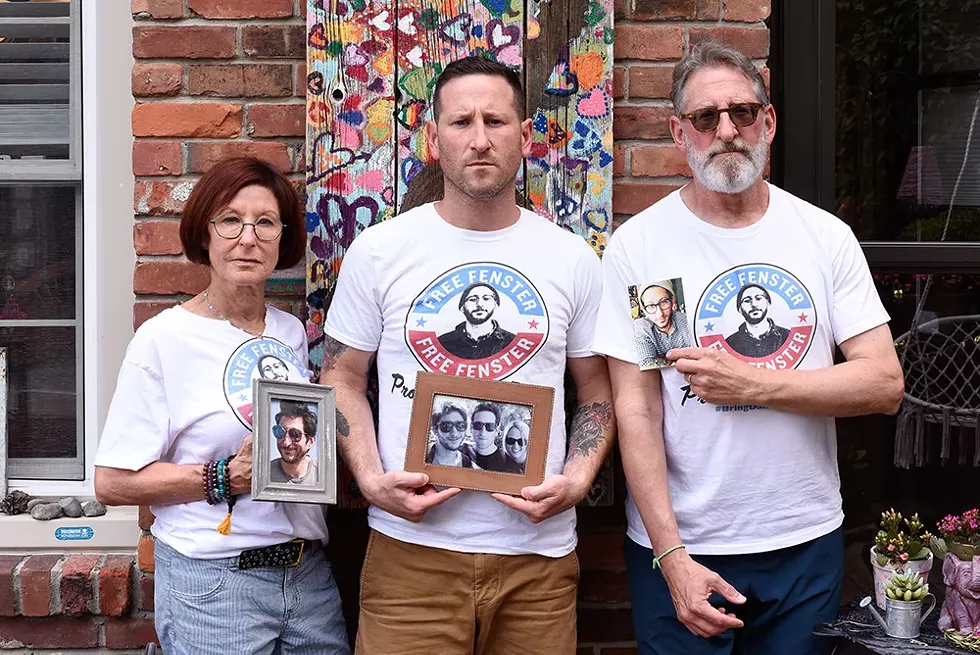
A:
(481, 320)
(760, 313)
(259, 358)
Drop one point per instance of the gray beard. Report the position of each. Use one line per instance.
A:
(727, 177)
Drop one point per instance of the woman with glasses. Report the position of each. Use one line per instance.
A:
(232, 575)
(516, 437)
(449, 432)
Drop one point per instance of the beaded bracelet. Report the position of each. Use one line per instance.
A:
(210, 483)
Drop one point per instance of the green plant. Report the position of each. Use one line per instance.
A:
(907, 587)
(895, 546)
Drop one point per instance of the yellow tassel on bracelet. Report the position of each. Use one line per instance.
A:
(225, 526)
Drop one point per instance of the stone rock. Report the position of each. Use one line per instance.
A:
(93, 508)
(71, 507)
(47, 511)
(34, 502)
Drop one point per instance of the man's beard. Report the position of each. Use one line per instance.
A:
(733, 174)
(481, 192)
(473, 320)
(754, 321)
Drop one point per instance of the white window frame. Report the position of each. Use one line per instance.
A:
(107, 251)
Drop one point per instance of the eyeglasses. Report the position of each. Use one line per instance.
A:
(231, 227)
(486, 425)
(280, 433)
(446, 426)
(663, 305)
(514, 441)
(742, 114)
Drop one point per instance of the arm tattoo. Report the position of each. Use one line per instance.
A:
(332, 349)
(587, 427)
(343, 427)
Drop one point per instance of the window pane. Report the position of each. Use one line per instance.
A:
(907, 89)
(37, 252)
(35, 77)
(42, 407)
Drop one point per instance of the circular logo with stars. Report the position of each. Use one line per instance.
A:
(759, 313)
(482, 320)
(263, 357)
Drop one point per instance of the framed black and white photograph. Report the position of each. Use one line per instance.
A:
(3, 422)
(294, 443)
(479, 434)
(660, 323)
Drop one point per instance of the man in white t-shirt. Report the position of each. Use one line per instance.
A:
(731, 459)
(446, 571)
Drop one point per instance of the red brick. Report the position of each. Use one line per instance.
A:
(649, 160)
(752, 42)
(631, 122)
(650, 81)
(665, 9)
(300, 86)
(146, 517)
(156, 80)
(274, 41)
(35, 585)
(276, 120)
(142, 312)
(649, 42)
(146, 593)
(76, 583)
(621, 9)
(157, 158)
(241, 8)
(619, 82)
(157, 238)
(187, 119)
(709, 9)
(183, 42)
(604, 587)
(54, 632)
(634, 197)
(252, 80)
(604, 625)
(166, 278)
(203, 155)
(152, 198)
(8, 604)
(114, 588)
(746, 11)
(157, 9)
(129, 633)
(619, 160)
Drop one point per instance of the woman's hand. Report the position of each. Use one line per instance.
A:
(241, 468)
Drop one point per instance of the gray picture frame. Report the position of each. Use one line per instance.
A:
(3, 422)
(323, 489)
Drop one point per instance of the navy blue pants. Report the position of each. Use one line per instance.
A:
(788, 592)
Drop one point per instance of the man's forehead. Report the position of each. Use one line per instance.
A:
(482, 411)
(479, 291)
(717, 87)
(471, 92)
(654, 292)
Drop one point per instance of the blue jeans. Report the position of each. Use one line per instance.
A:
(789, 592)
(205, 607)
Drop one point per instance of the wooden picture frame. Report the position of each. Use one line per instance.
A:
(521, 414)
(280, 432)
(3, 422)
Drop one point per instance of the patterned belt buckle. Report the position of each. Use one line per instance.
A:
(288, 554)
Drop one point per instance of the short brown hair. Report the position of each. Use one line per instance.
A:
(218, 187)
(477, 65)
(711, 54)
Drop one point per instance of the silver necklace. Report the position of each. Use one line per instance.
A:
(225, 318)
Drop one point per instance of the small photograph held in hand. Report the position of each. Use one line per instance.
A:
(293, 435)
(659, 314)
(472, 433)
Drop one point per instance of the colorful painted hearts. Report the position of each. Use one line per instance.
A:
(594, 105)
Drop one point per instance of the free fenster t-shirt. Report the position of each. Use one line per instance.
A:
(744, 478)
(184, 395)
(398, 293)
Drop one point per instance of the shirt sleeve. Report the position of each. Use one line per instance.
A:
(856, 307)
(354, 317)
(588, 293)
(614, 327)
(137, 428)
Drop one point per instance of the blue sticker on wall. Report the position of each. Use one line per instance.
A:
(74, 533)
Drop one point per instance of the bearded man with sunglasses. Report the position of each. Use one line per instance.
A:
(734, 542)
(295, 434)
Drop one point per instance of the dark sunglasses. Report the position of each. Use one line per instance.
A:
(446, 426)
(487, 425)
(511, 441)
(279, 433)
(742, 114)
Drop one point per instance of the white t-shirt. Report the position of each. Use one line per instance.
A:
(184, 396)
(398, 294)
(743, 478)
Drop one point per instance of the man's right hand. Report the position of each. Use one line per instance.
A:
(405, 494)
(690, 587)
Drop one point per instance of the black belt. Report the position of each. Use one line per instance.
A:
(283, 555)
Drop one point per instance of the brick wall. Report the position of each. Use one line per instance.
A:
(216, 77)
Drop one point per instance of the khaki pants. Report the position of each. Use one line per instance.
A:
(417, 600)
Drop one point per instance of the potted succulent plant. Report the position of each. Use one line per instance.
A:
(901, 545)
(904, 593)
(959, 544)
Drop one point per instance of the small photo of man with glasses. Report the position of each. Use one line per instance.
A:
(448, 445)
(294, 434)
(660, 321)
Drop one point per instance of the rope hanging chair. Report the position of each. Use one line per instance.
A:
(941, 362)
